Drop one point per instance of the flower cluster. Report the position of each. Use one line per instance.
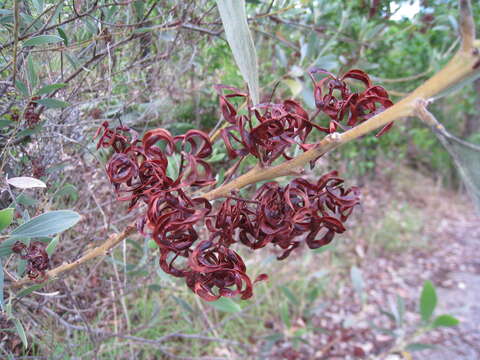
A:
(195, 235)
(36, 256)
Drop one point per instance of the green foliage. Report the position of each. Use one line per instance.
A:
(52, 103)
(49, 223)
(52, 245)
(21, 332)
(225, 305)
(418, 347)
(41, 40)
(6, 217)
(445, 321)
(428, 301)
(49, 88)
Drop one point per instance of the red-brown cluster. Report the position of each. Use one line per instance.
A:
(30, 115)
(340, 101)
(280, 127)
(142, 172)
(36, 256)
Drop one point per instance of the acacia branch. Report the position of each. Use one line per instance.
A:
(101, 250)
(467, 25)
(429, 119)
(461, 66)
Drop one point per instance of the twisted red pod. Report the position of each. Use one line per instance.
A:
(36, 256)
(359, 106)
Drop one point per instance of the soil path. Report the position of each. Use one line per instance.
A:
(450, 259)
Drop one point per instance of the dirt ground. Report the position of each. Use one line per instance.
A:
(444, 249)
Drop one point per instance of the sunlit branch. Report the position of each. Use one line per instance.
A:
(467, 25)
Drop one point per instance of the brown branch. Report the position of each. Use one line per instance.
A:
(456, 70)
(101, 250)
(16, 26)
(467, 25)
(461, 66)
(429, 119)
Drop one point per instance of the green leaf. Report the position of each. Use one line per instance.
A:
(152, 244)
(285, 315)
(428, 301)
(26, 200)
(274, 337)
(234, 19)
(29, 290)
(295, 86)
(6, 247)
(68, 190)
(185, 305)
(139, 9)
(9, 307)
(47, 224)
(21, 332)
(445, 321)
(42, 39)
(5, 123)
(216, 157)
(290, 295)
(22, 87)
(390, 315)
(52, 245)
(49, 88)
(29, 132)
(178, 128)
(323, 249)
(52, 103)
(91, 27)
(22, 263)
(143, 30)
(63, 35)
(418, 347)
(6, 18)
(72, 60)
(38, 5)
(32, 72)
(154, 287)
(28, 20)
(6, 217)
(226, 305)
(400, 310)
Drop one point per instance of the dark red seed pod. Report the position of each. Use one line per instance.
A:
(194, 237)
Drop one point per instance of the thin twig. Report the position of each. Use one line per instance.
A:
(101, 250)
(16, 20)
